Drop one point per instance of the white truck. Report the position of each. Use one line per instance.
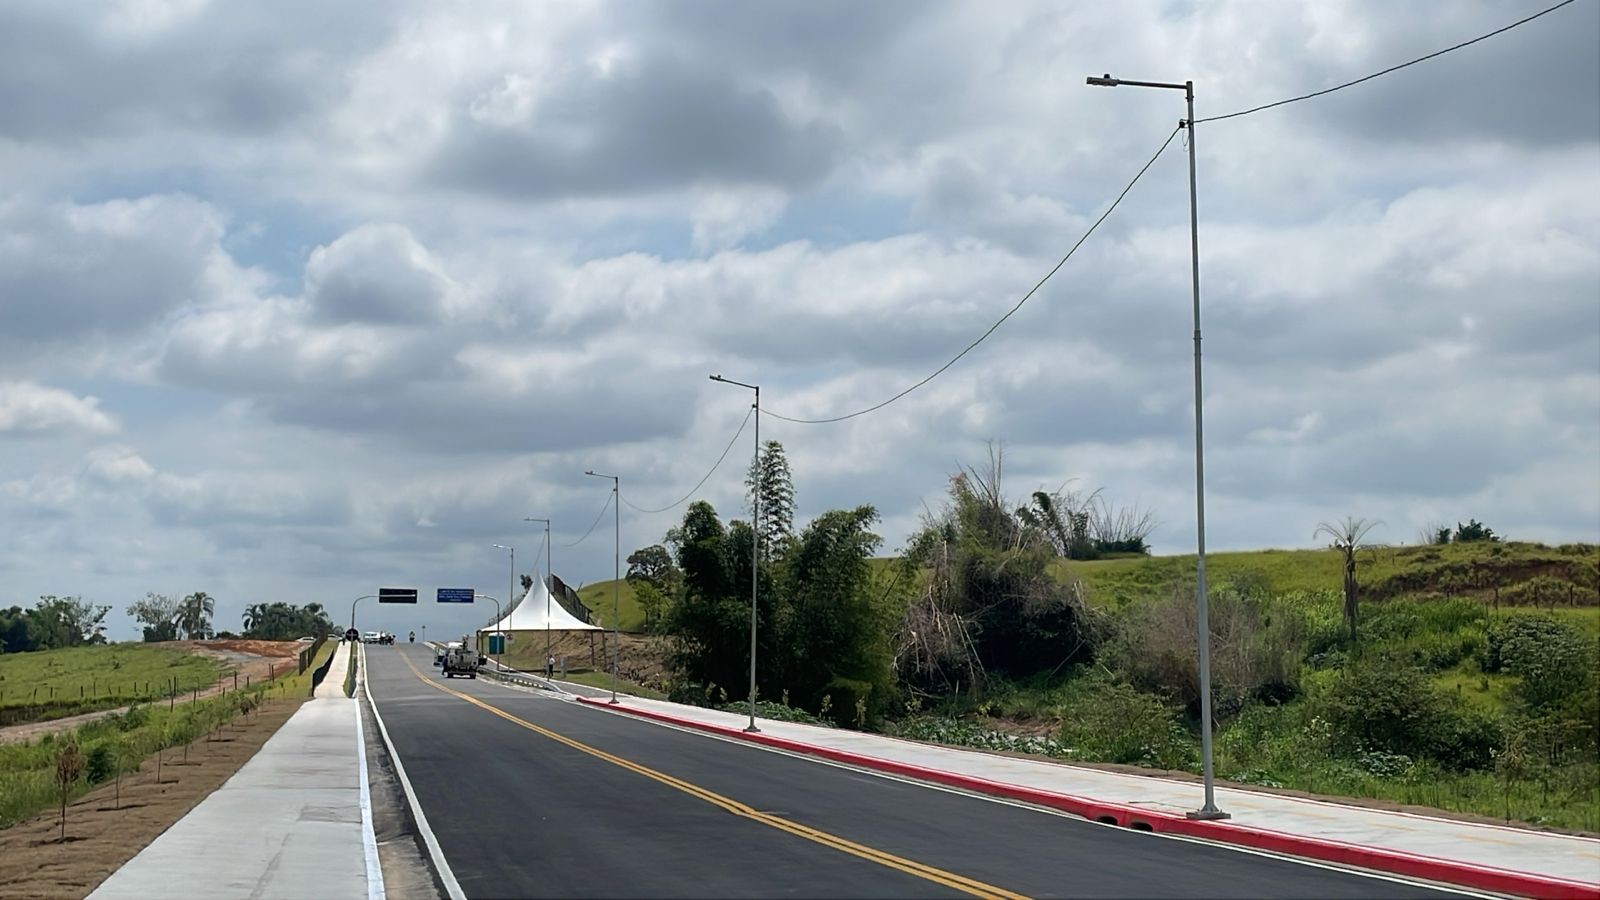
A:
(461, 661)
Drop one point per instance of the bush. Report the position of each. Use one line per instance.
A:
(1256, 650)
(1395, 709)
(1552, 659)
(1118, 723)
(102, 764)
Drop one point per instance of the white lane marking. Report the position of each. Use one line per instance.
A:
(440, 864)
(1005, 801)
(369, 838)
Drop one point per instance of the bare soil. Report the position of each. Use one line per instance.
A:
(642, 659)
(254, 661)
(100, 835)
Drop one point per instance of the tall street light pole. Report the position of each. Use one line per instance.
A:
(547, 581)
(616, 582)
(755, 543)
(511, 582)
(496, 619)
(1209, 810)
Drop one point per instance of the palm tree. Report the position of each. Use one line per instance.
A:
(1348, 536)
(194, 615)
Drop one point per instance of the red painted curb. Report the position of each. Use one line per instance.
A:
(1486, 878)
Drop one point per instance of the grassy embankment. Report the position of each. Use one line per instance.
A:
(1431, 611)
(54, 684)
(124, 742)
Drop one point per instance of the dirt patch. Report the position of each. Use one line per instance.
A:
(252, 662)
(642, 659)
(101, 836)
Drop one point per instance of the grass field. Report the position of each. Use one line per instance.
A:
(598, 597)
(125, 740)
(1522, 574)
(51, 684)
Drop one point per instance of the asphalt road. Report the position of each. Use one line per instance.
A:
(572, 801)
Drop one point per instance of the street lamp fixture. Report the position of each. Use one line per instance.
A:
(353, 608)
(755, 548)
(1209, 810)
(616, 582)
(547, 581)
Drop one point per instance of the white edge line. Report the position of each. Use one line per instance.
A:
(1005, 801)
(435, 853)
(369, 838)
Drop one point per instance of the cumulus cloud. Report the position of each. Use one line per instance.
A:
(367, 284)
(28, 408)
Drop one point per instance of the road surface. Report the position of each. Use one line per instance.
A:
(532, 796)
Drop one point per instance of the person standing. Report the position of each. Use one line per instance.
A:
(549, 667)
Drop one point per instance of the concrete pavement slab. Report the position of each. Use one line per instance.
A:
(289, 824)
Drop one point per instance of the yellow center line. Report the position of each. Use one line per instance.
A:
(911, 867)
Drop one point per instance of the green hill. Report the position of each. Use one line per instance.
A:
(598, 597)
(1514, 573)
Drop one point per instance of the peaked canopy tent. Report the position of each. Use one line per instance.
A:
(530, 614)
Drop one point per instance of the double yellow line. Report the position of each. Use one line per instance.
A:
(911, 867)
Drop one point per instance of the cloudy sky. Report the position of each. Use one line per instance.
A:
(300, 298)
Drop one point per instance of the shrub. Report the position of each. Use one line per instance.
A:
(1552, 659)
(135, 717)
(101, 765)
(1256, 650)
(1393, 708)
(1118, 723)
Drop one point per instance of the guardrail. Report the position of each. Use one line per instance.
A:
(513, 676)
(308, 654)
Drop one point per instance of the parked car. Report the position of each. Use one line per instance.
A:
(371, 637)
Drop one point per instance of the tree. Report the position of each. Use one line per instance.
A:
(57, 622)
(280, 621)
(69, 768)
(158, 614)
(653, 565)
(194, 615)
(839, 642)
(1348, 537)
(1474, 531)
(770, 480)
(15, 636)
(1061, 520)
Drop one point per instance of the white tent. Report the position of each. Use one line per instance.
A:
(530, 614)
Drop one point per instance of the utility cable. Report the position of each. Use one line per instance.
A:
(592, 525)
(1001, 321)
(1436, 53)
(696, 488)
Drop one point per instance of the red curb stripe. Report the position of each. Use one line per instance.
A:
(1486, 878)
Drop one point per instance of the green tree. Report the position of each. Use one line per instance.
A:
(279, 621)
(839, 632)
(15, 634)
(709, 623)
(653, 565)
(1474, 531)
(770, 479)
(158, 614)
(57, 622)
(1349, 538)
(194, 615)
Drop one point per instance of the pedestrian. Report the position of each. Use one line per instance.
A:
(550, 666)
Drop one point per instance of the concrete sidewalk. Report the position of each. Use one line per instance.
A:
(1262, 820)
(294, 822)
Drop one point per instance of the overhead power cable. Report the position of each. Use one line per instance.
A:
(1009, 313)
(1340, 87)
(696, 488)
(592, 525)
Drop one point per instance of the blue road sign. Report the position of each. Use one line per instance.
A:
(455, 595)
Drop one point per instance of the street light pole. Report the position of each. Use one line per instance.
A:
(353, 609)
(496, 619)
(547, 570)
(1209, 810)
(616, 579)
(755, 544)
